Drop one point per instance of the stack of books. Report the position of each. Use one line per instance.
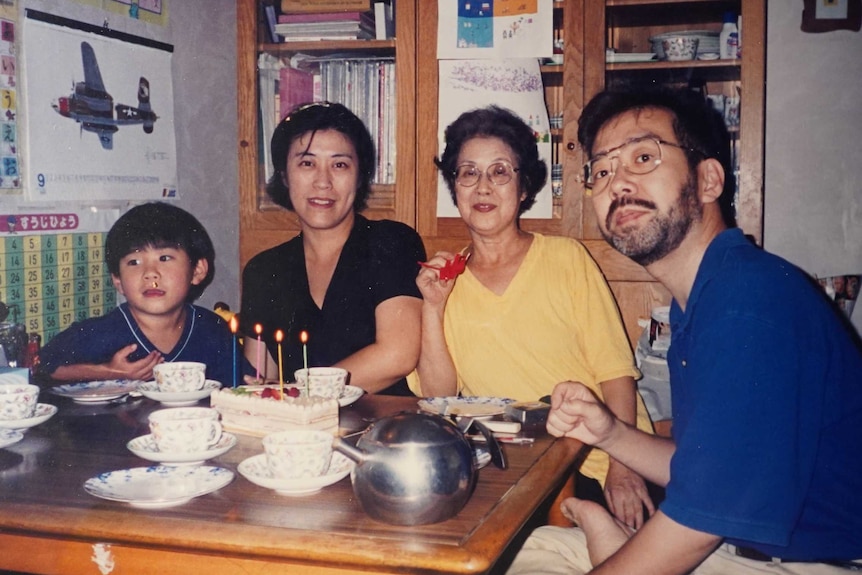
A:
(326, 26)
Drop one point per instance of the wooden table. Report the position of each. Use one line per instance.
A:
(50, 524)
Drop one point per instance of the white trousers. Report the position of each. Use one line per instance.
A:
(553, 550)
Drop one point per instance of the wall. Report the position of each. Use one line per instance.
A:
(203, 34)
(813, 180)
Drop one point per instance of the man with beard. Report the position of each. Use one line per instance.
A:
(763, 472)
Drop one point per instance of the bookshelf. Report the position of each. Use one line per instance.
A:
(263, 224)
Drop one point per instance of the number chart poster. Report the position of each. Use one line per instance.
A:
(50, 281)
(99, 113)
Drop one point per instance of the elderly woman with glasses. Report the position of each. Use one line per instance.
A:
(347, 281)
(529, 310)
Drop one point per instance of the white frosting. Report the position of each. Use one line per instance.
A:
(247, 412)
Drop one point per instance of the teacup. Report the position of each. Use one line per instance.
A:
(296, 453)
(180, 376)
(185, 429)
(17, 400)
(326, 382)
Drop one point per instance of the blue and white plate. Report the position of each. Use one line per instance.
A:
(257, 471)
(158, 486)
(178, 398)
(145, 447)
(476, 407)
(10, 437)
(44, 412)
(97, 391)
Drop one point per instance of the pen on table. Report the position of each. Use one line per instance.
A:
(505, 439)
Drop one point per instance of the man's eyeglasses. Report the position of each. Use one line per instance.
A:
(499, 173)
(636, 156)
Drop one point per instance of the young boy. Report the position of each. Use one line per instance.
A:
(161, 259)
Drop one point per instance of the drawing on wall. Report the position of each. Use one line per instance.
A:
(99, 115)
(515, 84)
(494, 29)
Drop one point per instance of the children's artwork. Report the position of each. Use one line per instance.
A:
(515, 84)
(494, 29)
(99, 108)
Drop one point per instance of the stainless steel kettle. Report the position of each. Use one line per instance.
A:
(414, 468)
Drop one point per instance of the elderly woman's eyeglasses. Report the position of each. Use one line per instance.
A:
(636, 156)
(499, 173)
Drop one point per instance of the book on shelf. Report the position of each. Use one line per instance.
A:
(294, 6)
(295, 87)
(315, 18)
(351, 25)
(384, 20)
(271, 20)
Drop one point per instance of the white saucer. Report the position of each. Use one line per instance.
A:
(350, 395)
(476, 407)
(44, 412)
(96, 391)
(146, 448)
(158, 486)
(177, 398)
(10, 437)
(256, 470)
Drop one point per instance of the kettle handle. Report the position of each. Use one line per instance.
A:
(494, 448)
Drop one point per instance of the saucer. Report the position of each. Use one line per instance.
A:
(350, 395)
(10, 437)
(96, 391)
(177, 398)
(256, 470)
(476, 407)
(44, 412)
(158, 486)
(145, 447)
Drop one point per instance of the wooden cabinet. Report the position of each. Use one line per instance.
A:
(588, 28)
(262, 224)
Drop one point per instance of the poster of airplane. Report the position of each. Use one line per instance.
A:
(98, 116)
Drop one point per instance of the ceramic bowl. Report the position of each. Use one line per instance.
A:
(680, 48)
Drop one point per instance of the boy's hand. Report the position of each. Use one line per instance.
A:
(141, 369)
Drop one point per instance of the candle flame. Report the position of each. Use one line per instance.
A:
(234, 325)
(303, 337)
(258, 329)
(279, 335)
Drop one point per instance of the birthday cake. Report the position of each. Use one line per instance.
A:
(259, 410)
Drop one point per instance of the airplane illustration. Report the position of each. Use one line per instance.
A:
(93, 108)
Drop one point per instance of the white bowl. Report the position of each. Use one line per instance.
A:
(680, 48)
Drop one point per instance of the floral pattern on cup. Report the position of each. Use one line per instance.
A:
(17, 401)
(680, 48)
(296, 453)
(325, 382)
(185, 429)
(180, 376)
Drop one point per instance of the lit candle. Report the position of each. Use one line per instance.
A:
(303, 338)
(234, 325)
(258, 329)
(279, 335)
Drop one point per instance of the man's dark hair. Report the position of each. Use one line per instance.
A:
(161, 225)
(310, 119)
(698, 127)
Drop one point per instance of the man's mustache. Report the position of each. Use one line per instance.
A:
(624, 201)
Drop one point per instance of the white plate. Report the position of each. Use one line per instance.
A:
(146, 448)
(158, 486)
(177, 398)
(43, 413)
(465, 406)
(93, 391)
(10, 437)
(623, 57)
(350, 394)
(256, 470)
